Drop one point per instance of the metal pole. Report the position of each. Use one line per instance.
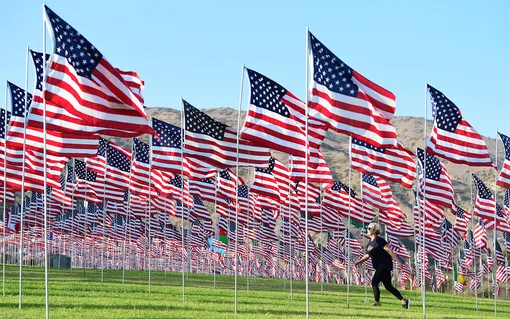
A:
(237, 190)
(306, 177)
(422, 227)
(183, 141)
(44, 176)
(104, 214)
(348, 234)
(494, 281)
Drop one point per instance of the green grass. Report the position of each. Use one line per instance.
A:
(75, 294)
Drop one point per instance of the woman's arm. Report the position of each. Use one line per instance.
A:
(362, 260)
(392, 254)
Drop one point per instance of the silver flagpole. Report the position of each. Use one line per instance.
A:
(322, 241)
(363, 212)
(422, 227)
(472, 227)
(104, 213)
(22, 175)
(291, 263)
(237, 190)
(494, 281)
(5, 195)
(149, 203)
(348, 234)
(306, 177)
(183, 141)
(45, 175)
(217, 228)
(128, 208)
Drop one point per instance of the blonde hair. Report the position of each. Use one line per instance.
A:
(375, 227)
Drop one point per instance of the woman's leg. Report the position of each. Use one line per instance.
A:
(386, 280)
(375, 284)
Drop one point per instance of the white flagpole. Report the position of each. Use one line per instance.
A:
(494, 281)
(217, 228)
(104, 213)
(422, 227)
(22, 175)
(5, 195)
(363, 212)
(306, 177)
(472, 227)
(149, 203)
(45, 175)
(128, 208)
(322, 242)
(291, 263)
(348, 234)
(237, 190)
(183, 141)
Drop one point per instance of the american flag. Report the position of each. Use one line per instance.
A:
(480, 235)
(437, 186)
(428, 213)
(506, 236)
(140, 170)
(504, 175)
(377, 192)
(398, 247)
(265, 183)
(453, 137)
(166, 151)
(320, 174)
(449, 235)
(395, 164)
(486, 208)
(337, 198)
(199, 210)
(462, 220)
(500, 257)
(5, 118)
(83, 82)
(215, 143)
(269, 122)
(345, 100)
(205, 189)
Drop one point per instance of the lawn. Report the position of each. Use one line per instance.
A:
(81, 294)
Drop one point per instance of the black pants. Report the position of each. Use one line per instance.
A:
(384, 274)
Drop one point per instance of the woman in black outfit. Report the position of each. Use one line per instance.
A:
(381, 254)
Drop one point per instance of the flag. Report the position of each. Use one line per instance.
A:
(462, 220)
(395, 164)
(5, 118)
(216, 144)
(264, 182)
(452, 136)
(340, 197)
(166, 151)
(345, 100)
(486, 208)
(377, 192)
(504, 175)
(480, 235)
(319, 174)
(83, 82)
(437, 185)
(269, 122)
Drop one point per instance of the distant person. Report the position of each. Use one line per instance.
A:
(381, 254)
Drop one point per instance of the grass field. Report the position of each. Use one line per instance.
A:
(78, 294)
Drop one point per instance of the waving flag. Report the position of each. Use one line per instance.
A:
(453, 137)
(166, 151)
(215, 143)
(5, 118)
(269, 122)
(437, 184)
(486, 207)
(377, 192)
(504, 175)
(265, 183)
(320, 174)
(82, 81)
(395, 164)
(462, 220)
(345, 100)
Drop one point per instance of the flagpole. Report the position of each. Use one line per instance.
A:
(237, 189)
(183, 141)
(217, 228)
(472, 227)
(149, 203)
(363, 212)
(45, 174)
(422, 227)
(291, 260)
(494, 281)
(104, 213)
(322, 242)
(306, 176)
(5, 193)
(128, 213)
(348, 234)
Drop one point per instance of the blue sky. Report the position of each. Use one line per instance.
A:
(195, 49)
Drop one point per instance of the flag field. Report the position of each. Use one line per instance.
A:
(80, 294)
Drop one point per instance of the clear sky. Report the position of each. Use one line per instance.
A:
(195, 49)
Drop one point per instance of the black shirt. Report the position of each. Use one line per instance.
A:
(380, 257)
